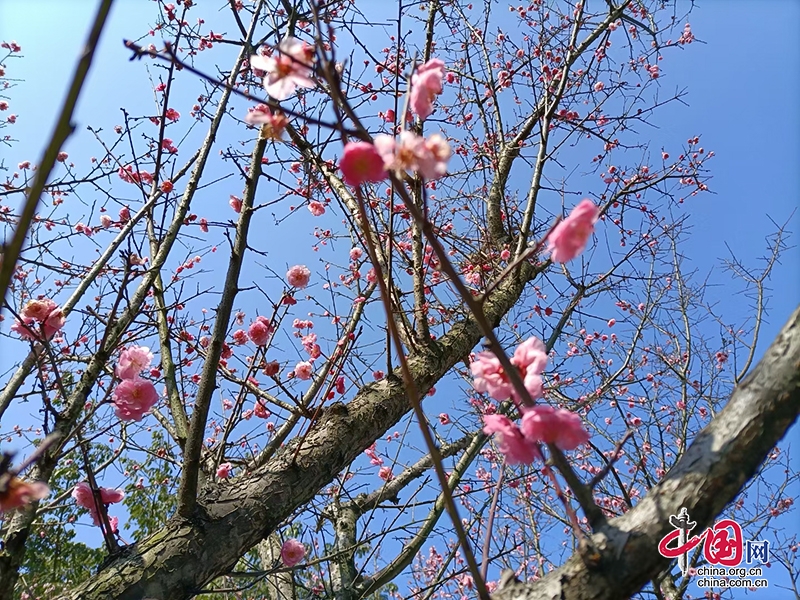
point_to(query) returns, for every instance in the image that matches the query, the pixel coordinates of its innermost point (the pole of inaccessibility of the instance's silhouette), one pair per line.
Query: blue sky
(742, 84)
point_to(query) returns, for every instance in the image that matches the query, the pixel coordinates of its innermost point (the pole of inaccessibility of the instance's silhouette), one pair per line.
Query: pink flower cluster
(298, 276)
(540, 424)
(273, 124)
(530, 358)
(37, 318)
(569, 237)
(289, 68)
(363, 162)
(426, 84)
(292, 552)
(82, 493)
(134, 396)
(260, 331)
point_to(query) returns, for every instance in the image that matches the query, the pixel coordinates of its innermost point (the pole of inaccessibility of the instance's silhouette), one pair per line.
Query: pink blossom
(426, 84)
(298, 276)
(236, 204)
(516, 448)
(273, 124)
(83, 496)
(105, 221)
(260, 410)
(415, 154)
(303, 370)
(292, 552)
(38, 315)
(317, 208)
(133, 398)
(385, 473)
(554, 426)
(356, 253)
(361, 162)
(18, 493)
(132, 361)
(598, 87)
(291, 66)
(224, 470)
(260, 331)
(530, 358)
(569, 237)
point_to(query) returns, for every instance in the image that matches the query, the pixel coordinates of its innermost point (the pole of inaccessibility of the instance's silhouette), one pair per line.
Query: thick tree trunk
(723, 457)
(177, 561)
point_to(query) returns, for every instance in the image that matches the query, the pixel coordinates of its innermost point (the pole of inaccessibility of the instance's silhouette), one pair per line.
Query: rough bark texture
(177, 561)
(724, 455)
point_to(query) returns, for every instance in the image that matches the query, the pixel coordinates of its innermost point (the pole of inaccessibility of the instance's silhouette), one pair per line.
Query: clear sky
(742, 80)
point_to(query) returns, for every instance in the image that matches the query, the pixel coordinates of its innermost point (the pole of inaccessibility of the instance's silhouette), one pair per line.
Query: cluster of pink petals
(82, 493)
(426, 84)
(260, 331)
(37, 317)
(361, 163)
(18, 493)
(415, 154)
(516, 448)
(292, 552)
(554, 426)
(133, 398)
(540, 424)
(273, 124)
(530, 358)
(290, 67)
(298, 276)
(132, 361)
(569, 237)
(303, 370)
(224, 470)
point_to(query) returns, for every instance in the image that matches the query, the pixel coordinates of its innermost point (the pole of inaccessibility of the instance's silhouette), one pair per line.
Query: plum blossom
(554, 426)
(316, 208)
(292, 552)
(516, 448)
(303, 370)
(362, 163)
(18, 493)
(260, 331)
(133, 398)
(290, 67)
(428, 157)
(224, 470)
(426, 84)
(385, 473)
(530, 358)
(569, 237)
(83, 496)
(132, 361)
(273, 124)
(37, 316)
(298, 276)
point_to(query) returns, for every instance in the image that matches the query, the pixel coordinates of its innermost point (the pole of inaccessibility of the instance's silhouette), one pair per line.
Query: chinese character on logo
(757, 551)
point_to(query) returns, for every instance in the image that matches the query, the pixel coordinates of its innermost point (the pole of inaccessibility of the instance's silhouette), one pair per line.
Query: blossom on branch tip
(303, 370)
(292, 552)
(362, 163)
(260, 331)
(426, 84)
(133, 398)
(298, 276)
(84, 497)
(569, 237)
(291, 66)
